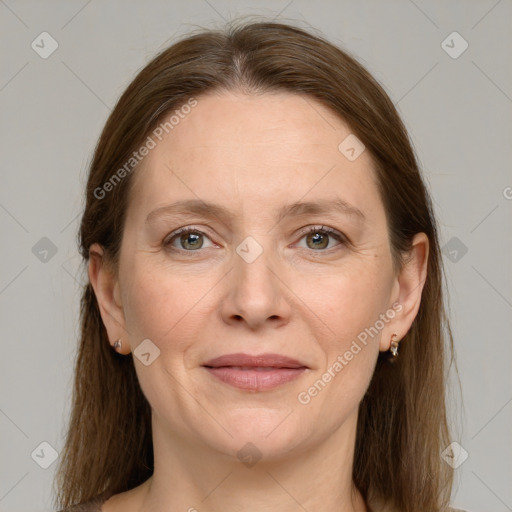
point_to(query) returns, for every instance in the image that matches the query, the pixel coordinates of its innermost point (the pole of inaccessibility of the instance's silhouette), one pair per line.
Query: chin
(261, 433)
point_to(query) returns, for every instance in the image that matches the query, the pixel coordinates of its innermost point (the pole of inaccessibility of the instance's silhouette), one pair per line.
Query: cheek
(346, 309)
(345, 302)
(158, 303)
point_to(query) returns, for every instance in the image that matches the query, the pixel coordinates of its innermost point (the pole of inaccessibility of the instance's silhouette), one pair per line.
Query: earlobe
(409, 284)
(106, 289)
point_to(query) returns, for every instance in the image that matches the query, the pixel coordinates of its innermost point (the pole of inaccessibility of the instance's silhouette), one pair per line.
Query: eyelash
(304, 232)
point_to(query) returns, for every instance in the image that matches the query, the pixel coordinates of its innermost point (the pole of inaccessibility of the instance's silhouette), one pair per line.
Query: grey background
(457, 111)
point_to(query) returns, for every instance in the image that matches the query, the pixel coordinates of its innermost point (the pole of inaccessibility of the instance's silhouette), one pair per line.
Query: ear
(407, 290)
(106, 288)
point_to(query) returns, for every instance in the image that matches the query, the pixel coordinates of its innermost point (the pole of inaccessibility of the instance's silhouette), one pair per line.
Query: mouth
(255, 373)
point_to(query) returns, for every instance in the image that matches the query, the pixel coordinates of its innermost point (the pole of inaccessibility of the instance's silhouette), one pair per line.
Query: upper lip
(257, 361)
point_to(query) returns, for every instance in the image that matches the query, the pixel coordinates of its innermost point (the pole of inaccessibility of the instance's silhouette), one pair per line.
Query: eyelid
(320, 227)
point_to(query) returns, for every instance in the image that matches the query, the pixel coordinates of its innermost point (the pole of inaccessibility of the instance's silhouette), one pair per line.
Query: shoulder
(93, 505)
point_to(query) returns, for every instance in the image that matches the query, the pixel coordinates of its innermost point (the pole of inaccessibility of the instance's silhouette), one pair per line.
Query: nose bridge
(254, 276)
(256, 292)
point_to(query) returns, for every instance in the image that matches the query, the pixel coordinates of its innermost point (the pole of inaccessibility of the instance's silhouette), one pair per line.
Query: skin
(253, 154)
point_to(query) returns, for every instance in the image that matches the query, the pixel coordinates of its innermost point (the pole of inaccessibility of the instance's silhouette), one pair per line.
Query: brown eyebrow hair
(294, 209)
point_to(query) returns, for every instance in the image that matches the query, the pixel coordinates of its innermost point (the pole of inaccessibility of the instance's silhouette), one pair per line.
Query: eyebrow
(196, 206)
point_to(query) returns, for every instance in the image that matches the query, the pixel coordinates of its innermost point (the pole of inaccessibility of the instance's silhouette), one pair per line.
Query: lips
(259, 361)
(255, 373)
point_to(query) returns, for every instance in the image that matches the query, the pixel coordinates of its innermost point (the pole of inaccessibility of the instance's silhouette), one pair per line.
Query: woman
(263, 327)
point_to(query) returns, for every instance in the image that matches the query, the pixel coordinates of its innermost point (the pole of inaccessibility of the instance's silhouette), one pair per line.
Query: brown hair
(402, 418)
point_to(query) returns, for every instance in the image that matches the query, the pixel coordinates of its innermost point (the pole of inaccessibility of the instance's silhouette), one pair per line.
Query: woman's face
(249, 279)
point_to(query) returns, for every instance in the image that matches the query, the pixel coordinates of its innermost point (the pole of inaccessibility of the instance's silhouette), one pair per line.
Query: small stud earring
(117, 345)
(394, 345)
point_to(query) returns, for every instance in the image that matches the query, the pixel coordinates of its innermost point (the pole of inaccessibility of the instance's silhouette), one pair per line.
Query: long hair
(402, 425)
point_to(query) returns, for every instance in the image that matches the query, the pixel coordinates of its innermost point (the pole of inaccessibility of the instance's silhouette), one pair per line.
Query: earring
(117, 345)
(394, 345)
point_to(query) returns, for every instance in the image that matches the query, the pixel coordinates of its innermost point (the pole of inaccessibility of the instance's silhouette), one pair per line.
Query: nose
(257, 293)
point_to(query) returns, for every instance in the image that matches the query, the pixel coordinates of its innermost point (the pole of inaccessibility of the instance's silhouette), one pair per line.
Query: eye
(318, 237)
(190, 239)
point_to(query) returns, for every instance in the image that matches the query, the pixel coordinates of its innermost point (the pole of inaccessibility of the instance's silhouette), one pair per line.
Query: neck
(198, 478)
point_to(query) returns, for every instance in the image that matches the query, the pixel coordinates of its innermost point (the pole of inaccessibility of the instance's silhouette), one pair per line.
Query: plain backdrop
(455, 101)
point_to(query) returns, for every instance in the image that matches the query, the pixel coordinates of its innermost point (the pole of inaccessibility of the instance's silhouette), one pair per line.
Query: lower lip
(256, 380)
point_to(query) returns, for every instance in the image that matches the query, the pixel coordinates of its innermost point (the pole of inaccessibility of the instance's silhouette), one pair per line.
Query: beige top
(95, 505)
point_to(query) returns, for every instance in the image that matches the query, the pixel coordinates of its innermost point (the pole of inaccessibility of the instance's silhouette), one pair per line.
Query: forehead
(265, 147)
(279, 119)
